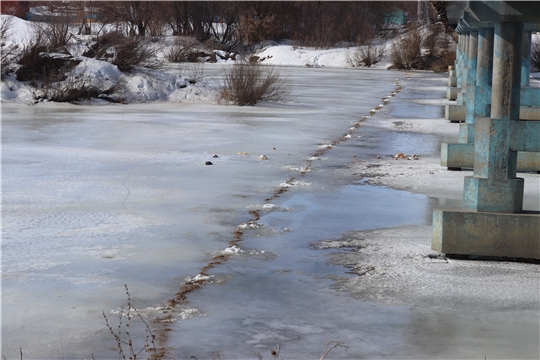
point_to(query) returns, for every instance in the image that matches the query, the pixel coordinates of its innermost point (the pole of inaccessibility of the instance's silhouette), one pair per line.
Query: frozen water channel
(95, 197)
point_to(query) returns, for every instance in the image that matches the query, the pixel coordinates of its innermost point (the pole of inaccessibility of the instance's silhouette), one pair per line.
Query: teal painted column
(470, 79)
(494, 186)
(461, 59)
(481, 99)
(484, 72)
(462, 75)
(458, 59)
(526, 59)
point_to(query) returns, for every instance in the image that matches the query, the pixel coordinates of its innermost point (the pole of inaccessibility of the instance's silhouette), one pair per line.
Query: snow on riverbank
(171, 83)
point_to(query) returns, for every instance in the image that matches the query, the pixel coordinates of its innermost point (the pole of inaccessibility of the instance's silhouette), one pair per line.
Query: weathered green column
(462, 74)
(454, 75)
(470, 80)
(484, 74)
(494, 186)
(526, 59)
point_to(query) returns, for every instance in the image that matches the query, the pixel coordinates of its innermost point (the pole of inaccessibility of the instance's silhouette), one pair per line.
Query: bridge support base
(464, 232)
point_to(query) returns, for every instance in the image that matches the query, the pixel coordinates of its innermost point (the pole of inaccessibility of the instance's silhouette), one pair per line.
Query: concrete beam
(529, 96)
(486, 234)
(499, 11)
(525, 136)
(458, 112)
(461, 156)
(469, 22)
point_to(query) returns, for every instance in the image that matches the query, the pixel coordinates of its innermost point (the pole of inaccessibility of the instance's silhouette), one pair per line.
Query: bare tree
(85, 13)
(256, 26)
(135, 15)
(54, 27)
(8, 51)
(176, 15)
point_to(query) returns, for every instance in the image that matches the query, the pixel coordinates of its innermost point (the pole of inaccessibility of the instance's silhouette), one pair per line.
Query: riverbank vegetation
(138, 37)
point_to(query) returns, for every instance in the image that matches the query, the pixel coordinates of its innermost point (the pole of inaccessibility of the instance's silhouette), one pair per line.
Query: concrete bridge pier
(492, 221)
(494, 186)
(477, 102)
(468, 27)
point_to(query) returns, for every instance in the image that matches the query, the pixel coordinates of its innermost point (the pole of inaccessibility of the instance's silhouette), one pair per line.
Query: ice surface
(95, 197)
(98, 197)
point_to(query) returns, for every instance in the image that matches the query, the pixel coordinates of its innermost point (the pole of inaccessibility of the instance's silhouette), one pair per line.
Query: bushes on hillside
(126, 52)
(429, 48)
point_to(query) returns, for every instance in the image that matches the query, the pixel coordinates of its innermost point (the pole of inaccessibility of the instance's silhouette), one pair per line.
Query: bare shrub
(431, 41)
(181, 50)
(406, 53)
(70, 90)
(194, 72)
(447, 58)
(366, 55)
(248, 84)
(122, 333)
(331, 346)
(535, 57)
(126, 52)
(37, 65)
(177, 54)
(104, 45)
(56, 32)
(135, 51)
(439, 49)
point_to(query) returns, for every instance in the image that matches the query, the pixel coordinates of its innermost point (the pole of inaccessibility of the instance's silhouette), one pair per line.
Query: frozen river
(95, 197)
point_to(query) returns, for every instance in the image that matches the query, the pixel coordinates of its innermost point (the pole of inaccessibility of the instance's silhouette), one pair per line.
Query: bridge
(499, 134)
